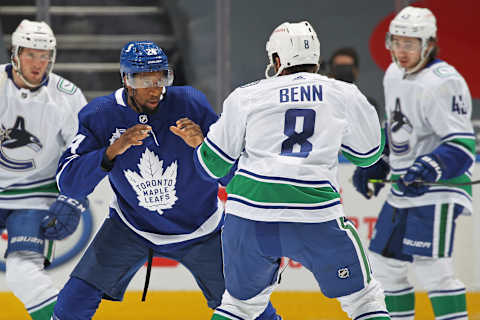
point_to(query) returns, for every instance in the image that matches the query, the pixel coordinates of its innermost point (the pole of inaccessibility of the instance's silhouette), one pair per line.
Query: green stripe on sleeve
(466, 143)
(365, 162)
(215, 164)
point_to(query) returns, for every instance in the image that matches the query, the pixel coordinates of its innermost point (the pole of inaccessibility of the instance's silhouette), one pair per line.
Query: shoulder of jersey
(393, 70)
(63, 85)
(442, 70)
(103, 104)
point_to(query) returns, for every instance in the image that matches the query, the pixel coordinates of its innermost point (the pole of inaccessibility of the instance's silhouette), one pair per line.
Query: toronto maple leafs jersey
(424, 110)
(287, 132)
(157, 191)
(35, 128)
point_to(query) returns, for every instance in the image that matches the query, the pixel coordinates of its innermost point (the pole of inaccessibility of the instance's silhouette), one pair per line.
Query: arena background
(216, 45)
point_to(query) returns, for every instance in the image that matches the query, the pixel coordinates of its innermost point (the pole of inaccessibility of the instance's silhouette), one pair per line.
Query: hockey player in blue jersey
(286, 132)
(161, 206)
(430, 140)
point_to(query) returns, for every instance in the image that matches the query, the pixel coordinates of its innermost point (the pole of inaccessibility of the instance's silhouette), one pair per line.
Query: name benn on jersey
(301, 93)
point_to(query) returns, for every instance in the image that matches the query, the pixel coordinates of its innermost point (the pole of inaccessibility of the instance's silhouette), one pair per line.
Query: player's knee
(21, 269)
(78, 300)
(369, 300)
(391, 273)
(436, 274)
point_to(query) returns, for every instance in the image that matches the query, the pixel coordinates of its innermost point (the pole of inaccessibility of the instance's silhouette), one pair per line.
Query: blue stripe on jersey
(283, 179)
(468, 134)
(30, 183)
(210, 142)
(256, 205)
(431, 190)
(375, 149)
(43, 302)
(53, 196)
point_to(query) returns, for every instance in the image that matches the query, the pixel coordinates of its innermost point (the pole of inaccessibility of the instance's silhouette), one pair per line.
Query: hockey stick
(447, 184)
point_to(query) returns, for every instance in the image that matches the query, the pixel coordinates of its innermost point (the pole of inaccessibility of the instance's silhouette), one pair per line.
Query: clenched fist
(189, 131)
(133, 136)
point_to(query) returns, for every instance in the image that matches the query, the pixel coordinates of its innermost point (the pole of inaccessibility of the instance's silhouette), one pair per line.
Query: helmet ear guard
(295, 44)
(33, 35)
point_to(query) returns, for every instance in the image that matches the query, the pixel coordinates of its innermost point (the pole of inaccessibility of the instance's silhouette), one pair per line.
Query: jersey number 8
(299, 126)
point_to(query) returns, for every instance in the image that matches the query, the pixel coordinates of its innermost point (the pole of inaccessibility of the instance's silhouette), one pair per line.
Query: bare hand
(189, 131)
(133, 136)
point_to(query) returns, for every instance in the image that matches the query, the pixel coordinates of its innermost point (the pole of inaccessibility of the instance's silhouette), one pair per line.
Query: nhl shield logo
(143, 118)
(343, 273)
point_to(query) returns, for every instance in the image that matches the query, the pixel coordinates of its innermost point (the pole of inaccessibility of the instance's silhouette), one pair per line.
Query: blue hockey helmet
(144, 56)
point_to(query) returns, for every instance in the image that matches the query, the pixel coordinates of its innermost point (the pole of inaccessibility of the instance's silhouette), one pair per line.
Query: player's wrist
(107, 161)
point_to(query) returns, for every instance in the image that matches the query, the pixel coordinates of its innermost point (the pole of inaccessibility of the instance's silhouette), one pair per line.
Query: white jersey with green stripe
(35, 128)
(424, 110)
(287, 132)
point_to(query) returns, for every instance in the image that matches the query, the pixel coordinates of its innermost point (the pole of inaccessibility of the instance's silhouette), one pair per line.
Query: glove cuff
(72, 202)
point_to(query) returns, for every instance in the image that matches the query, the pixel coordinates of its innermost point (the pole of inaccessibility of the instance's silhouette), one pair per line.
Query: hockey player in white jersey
(38, 119)
(430, 139)
(284, 199)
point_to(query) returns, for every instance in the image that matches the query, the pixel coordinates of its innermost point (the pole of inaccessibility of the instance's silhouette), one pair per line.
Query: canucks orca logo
(400, 130)
(17, 137)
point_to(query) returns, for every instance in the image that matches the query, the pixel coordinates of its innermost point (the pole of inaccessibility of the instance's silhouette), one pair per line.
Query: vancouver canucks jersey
(157, 191)
(425, 110)
(287, 132)
(35, 128)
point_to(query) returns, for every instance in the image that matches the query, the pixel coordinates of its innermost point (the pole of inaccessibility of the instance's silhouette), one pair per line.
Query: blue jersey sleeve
(79, 169)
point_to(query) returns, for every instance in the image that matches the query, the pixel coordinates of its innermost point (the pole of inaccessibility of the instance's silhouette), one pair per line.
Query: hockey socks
(449, 304)
(401, 303)
(44, 312)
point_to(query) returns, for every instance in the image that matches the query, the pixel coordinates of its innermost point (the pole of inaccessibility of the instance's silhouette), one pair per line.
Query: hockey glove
(361, 176)
(425, 168)
(63, 218)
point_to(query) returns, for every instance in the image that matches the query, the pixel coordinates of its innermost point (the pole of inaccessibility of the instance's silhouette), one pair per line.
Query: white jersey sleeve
(448, 109)
(228, 133)
(362, 141)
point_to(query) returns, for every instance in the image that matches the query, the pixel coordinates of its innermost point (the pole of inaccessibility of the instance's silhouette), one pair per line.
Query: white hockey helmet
(34, 35)
(295, 44)
(417, 23)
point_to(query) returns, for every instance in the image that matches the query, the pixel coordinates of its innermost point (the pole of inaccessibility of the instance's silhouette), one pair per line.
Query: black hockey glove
(361, 176)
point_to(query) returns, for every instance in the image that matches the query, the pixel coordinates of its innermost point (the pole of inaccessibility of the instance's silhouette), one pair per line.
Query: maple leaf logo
(118, 132)
(155, 187)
